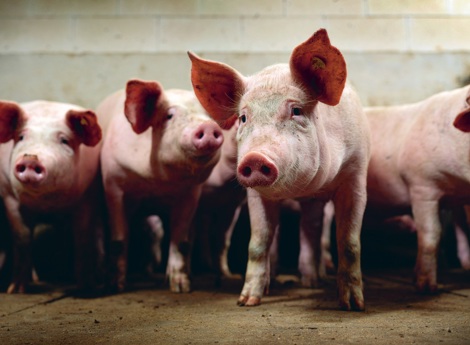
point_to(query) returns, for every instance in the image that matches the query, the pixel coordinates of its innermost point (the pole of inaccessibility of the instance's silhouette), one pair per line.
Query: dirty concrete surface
(148, 313)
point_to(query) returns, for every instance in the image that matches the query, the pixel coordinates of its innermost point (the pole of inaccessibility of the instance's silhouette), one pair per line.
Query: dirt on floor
(149, 314)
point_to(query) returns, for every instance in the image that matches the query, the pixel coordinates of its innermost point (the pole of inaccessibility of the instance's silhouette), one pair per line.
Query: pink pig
(160, 148)
(49, 170)
(420, 161)
(302, 135)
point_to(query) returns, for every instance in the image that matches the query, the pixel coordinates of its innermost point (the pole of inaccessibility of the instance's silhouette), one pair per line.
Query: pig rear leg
(224, 230)
(349, 205)
(156, 233)
(326, 257)
(461, 236)
(426, 215)
(117, 268)
(264, 219)
(178, 268)
(310, 263)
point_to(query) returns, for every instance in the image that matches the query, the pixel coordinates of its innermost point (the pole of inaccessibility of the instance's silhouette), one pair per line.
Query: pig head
(302, 135)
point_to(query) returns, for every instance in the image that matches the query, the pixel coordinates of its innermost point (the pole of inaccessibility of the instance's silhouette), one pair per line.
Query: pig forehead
(187, 101)
(273, 84)
(47, 111)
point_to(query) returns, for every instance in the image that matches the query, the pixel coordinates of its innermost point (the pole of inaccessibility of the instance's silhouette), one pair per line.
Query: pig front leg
(22, 256)
(349, 203)
(118, 222)
(264, 219)
(425, 210)
(311, 223)
(178, 268)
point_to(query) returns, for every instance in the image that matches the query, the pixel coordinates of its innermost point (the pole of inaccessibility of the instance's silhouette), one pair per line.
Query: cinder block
(199, 34)
(440, 34)
(415, 7)
(159, 7)
(277, 35)
(319, 8)
(73, 7)
(35, 35)
(241, 7)
(368, 34)
(461, 7)
(14, 8)
(130, 34)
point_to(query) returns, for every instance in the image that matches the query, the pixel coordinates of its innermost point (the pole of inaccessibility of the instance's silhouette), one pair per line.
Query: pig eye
(296, 111)
(64, 141)
(20, 137)
(169, 116)
(242, 118)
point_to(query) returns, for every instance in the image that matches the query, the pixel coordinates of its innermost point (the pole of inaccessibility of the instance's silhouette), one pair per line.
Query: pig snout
(30, 170)
(207, 137)
(256, 170)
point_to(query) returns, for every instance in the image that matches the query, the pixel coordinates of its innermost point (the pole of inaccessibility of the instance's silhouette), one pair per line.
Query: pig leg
(426, 215)
(118, 222)
(178, 268)
(274, 254)
(349, 204)
(224, 233)
(156, 232)
(461, 231)
(311, 222)
(264, 219)
(326, 258)
(22, 237)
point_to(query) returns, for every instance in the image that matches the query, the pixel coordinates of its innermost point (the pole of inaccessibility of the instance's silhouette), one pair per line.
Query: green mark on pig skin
(317, 63)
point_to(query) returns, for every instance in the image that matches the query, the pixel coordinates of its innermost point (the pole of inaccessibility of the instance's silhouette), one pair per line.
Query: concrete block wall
(79, 51)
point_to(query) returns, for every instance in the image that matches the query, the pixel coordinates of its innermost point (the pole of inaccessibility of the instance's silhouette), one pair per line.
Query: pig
(160, 148)
(49, 165)
(219, 208)
(302, 135)
(419, 164)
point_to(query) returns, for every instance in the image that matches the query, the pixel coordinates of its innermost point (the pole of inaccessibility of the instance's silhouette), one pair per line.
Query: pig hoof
(426, 288)
(247, 301)
(351, 299)
(16, 288)
(181, 285)
(309, 282)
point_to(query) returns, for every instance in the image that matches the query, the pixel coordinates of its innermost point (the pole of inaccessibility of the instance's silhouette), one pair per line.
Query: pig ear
(218, 88)
(143, 98)
(320, 68)
(462, 121)
(11, 117)
(84, 125)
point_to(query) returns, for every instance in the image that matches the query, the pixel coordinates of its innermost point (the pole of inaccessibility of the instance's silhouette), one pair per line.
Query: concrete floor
(149, 314)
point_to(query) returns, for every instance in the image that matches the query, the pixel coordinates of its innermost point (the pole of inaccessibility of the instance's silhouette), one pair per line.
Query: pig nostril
(216, 134)
(265, 170)
(246, 171)
(21, 168)
(38, 170)
(200, 135)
